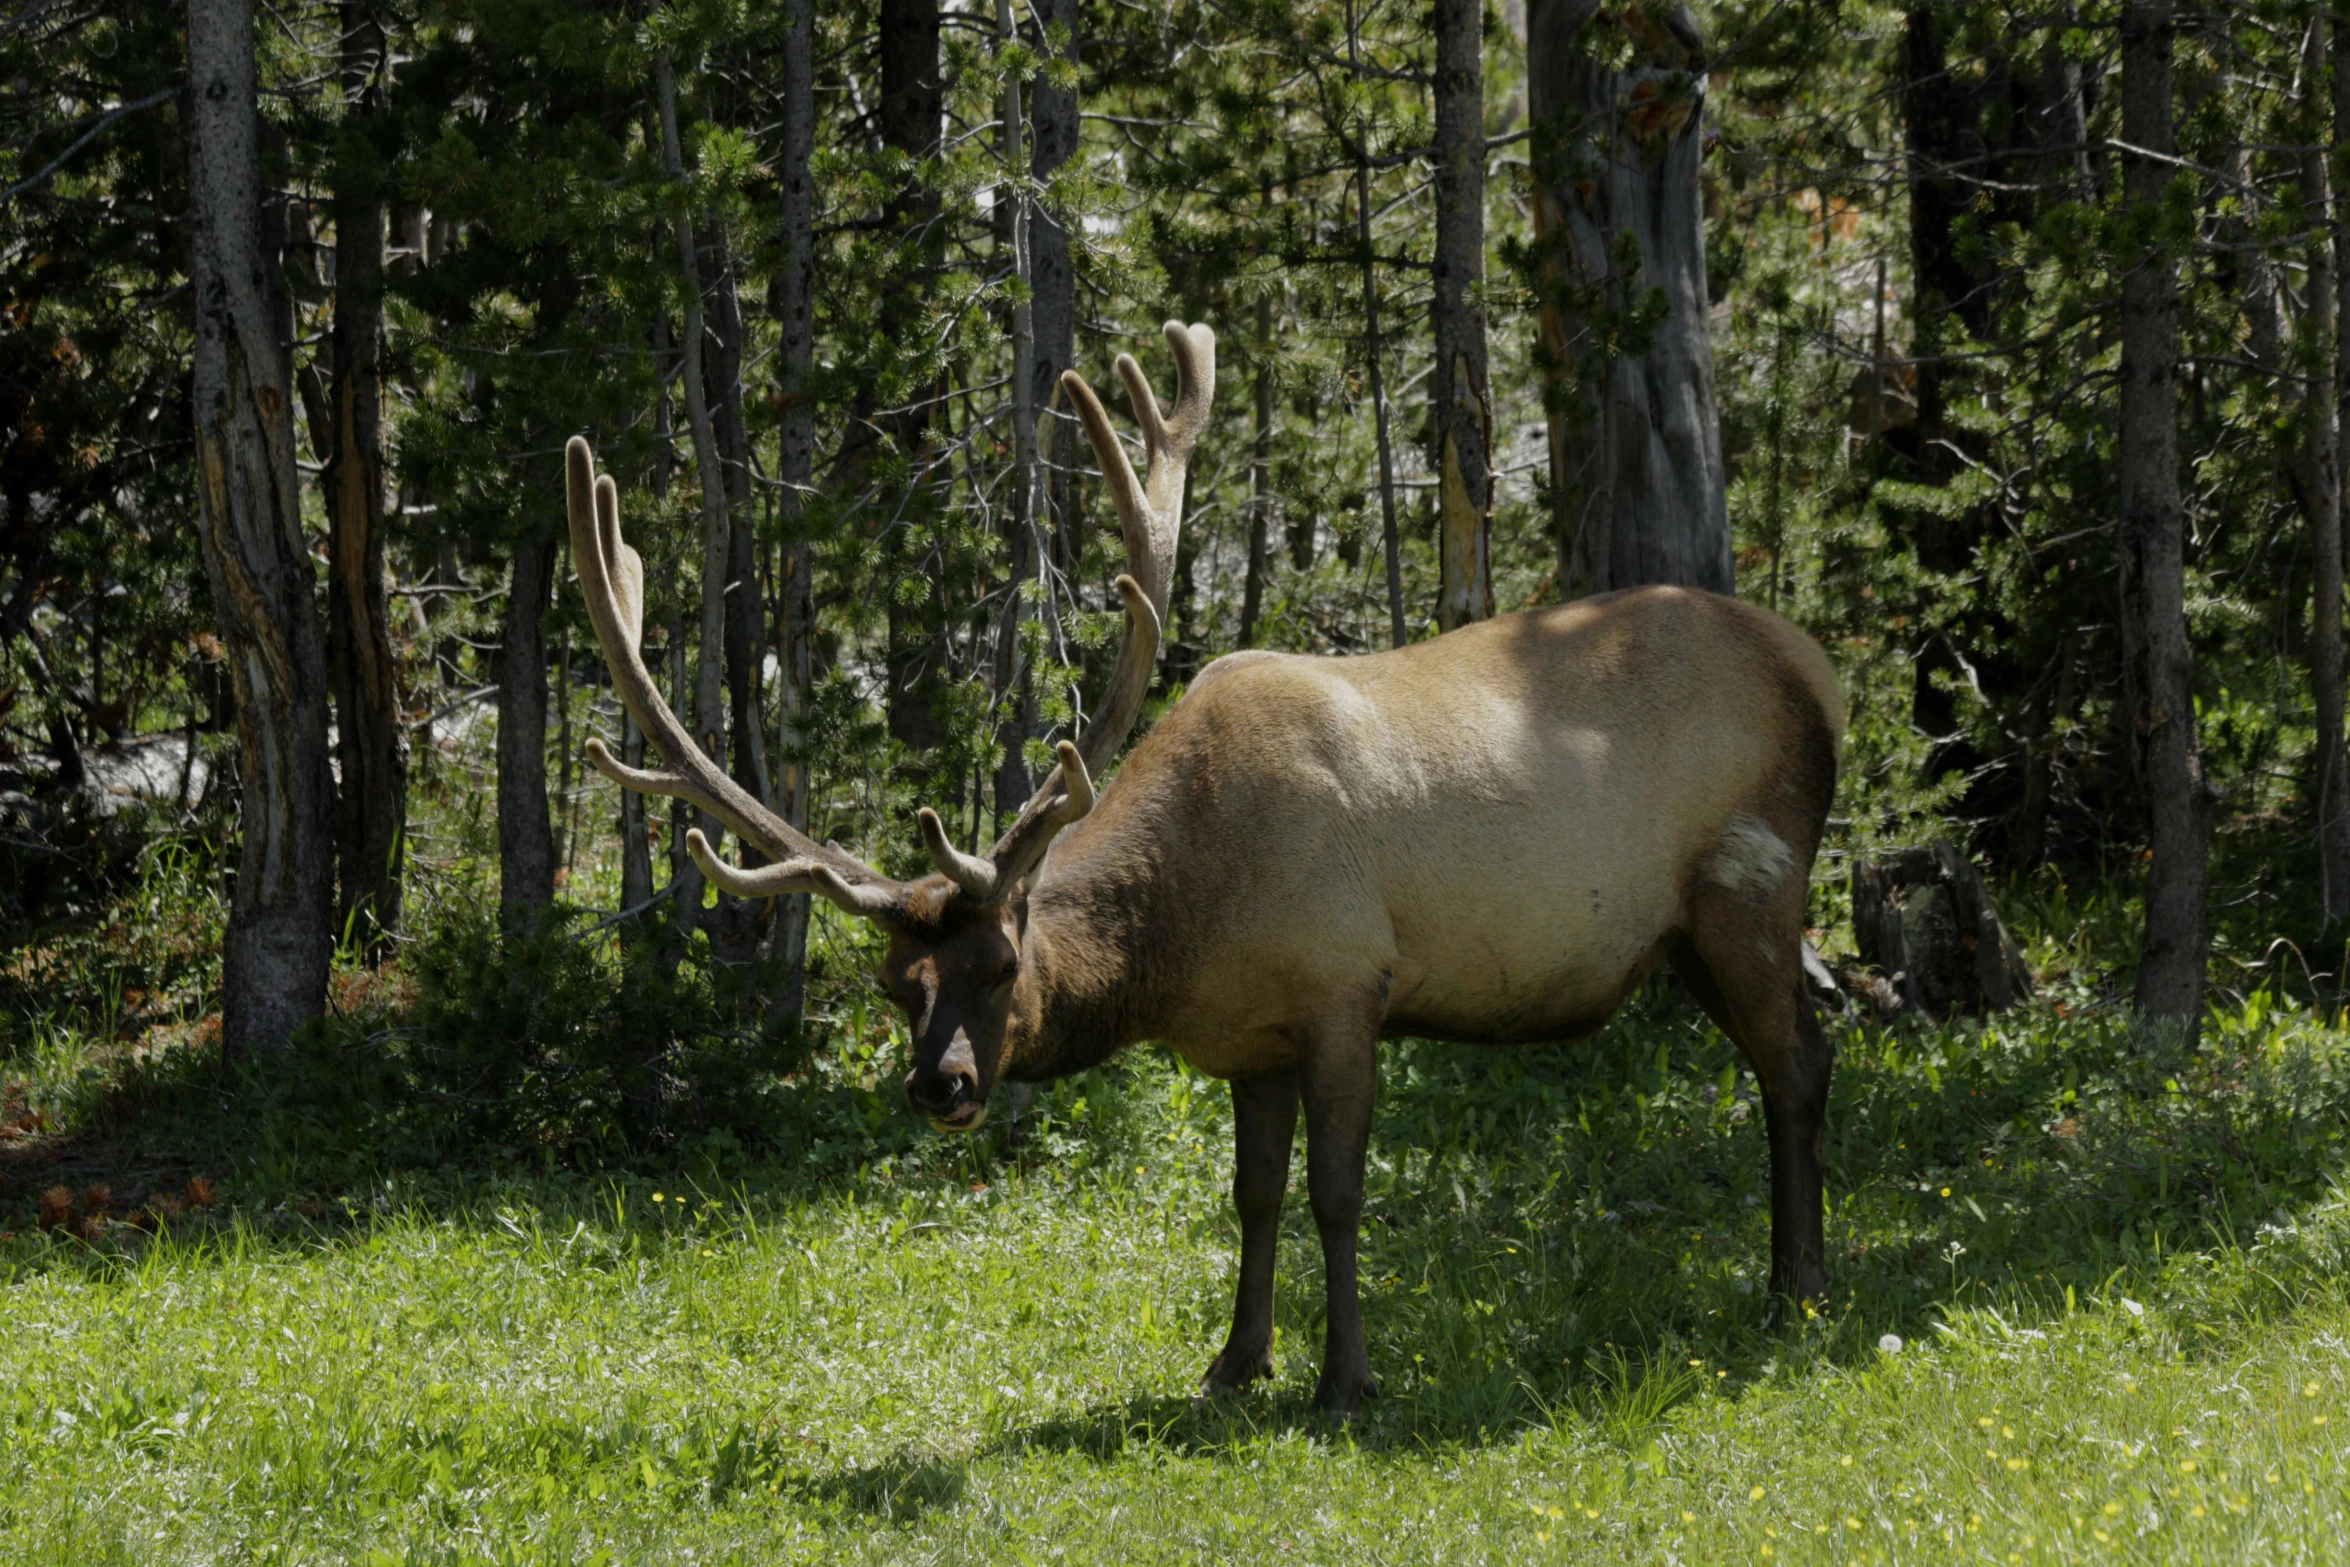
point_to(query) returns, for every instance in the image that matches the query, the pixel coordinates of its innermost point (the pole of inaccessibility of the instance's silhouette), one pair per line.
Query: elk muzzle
(947, 1093)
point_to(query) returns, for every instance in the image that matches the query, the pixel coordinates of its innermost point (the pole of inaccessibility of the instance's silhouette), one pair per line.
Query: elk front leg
(1339, 1084)
(1264, 1116)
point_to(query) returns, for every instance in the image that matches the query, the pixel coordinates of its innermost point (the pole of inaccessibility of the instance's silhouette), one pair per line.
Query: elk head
(955, 937)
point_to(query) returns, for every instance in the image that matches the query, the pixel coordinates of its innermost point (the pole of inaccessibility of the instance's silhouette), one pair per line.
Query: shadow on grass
(1555, 1234)
(1580, 1233)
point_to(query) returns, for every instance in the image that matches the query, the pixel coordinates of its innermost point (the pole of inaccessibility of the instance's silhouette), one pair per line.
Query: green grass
(2118, 1276)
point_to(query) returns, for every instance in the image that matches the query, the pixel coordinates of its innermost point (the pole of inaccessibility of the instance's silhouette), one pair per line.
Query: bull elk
(1493, 836)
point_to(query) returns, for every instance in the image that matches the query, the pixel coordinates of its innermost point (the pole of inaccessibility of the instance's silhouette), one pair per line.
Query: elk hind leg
(1264, 1115)
(1743, 960)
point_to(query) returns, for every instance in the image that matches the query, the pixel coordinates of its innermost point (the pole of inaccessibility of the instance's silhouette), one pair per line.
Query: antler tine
(1064, 797)
(1195, 383)
(1147, 412)
(1152, 516)
(1117, 471)
(611, 578)
(872, 899)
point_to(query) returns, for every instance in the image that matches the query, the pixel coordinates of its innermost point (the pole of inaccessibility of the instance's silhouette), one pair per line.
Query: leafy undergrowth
(2113, 1269)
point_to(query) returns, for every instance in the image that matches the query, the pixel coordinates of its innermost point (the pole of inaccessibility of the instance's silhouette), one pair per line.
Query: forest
(1998, 345)
(810, 282)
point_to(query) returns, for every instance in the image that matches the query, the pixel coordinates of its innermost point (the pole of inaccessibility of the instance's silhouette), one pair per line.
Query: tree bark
(796, 469)
(710, 663)
(1635, 440)
(1260, 511)
(2329, 447)
(685, 877)
(2158, 664)
(1391, 540)
(372, 805)
(526, 838)
(279, 939)
(636, 842)
(1014, 691)
(746, 599)
(1052, 281)
(1460, 405)
(912, 122)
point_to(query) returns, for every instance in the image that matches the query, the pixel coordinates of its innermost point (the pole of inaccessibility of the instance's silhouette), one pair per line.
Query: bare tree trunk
(1052, 280)
(563, 811)
(685, 877)
(2329, 447)
(636, 842)
(372, 808)
(2027, 840)
(1014, 691)
(912, 116)
(710, 665)
(1391, 540)
(1635, 441)
(746, 599)
(1260, 511)
(1460, 407)
(740, 931)
(526, 838)
(796, 470)
(2158, 664)
(279, 939)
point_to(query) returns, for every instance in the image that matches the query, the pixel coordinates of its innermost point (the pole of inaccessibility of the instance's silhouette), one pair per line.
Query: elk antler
(612, 578)
(1152, 516)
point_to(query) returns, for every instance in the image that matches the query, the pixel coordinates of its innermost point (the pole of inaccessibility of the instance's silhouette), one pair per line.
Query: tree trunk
(1014, 690)
(746, 599)
(710, 663)
(2158, 664)
(1260, 511)
(740, 930)
(796, 469)
(1460, 406)
(912, 121)
(2329, 447)
(563, 813)
(1635, 442)
(280, 936)
(526, 838)
(1391, 540)
(636, 841)
(685, 877)
(372, 807)
(1052, 281)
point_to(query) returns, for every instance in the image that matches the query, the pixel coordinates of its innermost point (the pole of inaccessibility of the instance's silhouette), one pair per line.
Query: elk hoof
(1340, 1399)
(1234, 1370)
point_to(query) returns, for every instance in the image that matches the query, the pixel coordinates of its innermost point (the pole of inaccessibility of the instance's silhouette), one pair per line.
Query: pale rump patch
(1752, 858)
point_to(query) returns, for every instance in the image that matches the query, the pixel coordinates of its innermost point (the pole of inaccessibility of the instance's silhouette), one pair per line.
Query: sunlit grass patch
(947, 1353)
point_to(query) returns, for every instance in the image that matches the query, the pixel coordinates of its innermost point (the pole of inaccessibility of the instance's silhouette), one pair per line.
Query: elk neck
(1104, 936)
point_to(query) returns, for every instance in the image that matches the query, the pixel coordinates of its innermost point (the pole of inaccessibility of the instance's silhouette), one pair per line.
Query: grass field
(2116, 1278)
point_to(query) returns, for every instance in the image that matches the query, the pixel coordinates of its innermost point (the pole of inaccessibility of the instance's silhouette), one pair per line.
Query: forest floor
(2090, 1303)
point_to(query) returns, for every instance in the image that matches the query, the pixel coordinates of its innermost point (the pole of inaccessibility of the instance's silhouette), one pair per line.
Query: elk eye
(1010, 973)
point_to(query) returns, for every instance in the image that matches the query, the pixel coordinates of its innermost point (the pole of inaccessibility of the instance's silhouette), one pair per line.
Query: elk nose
(940, 1093)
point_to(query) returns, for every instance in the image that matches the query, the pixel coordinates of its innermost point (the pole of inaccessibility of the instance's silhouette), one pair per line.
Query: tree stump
(1923, 918)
